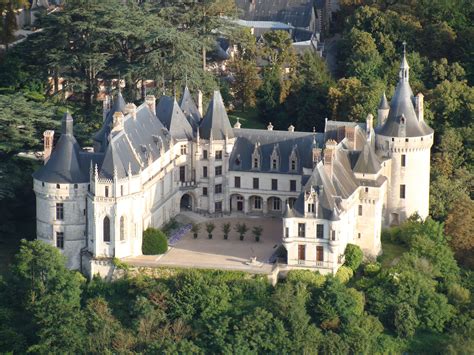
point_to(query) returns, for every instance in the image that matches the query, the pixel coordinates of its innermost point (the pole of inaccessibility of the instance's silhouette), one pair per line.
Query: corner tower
(404, 140)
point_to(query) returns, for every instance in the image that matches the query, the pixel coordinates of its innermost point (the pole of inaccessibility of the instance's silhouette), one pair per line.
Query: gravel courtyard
(217, 253)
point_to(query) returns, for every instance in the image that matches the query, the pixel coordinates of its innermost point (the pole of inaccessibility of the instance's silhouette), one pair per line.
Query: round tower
(404, 140)
(61, 187)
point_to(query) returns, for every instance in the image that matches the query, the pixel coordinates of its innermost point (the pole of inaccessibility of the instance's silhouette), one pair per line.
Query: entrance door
(240, 203)
(319, 253)
(301, 252)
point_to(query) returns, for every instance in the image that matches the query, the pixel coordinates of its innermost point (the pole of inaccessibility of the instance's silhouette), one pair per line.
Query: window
(402, 191)
(301, 252)
(218, 206)
(257, 203)
(106, 229)
(75, 186)
(218, 189)
(237, 181)
(360, 210)
(204, 191)
(183, 149)
(301, 230)
(320, 231)
(218, 154)
(218, 170)
(274, 164)
(204, 171)
(255, 163)
(255, 183)
(358, 235)
(404, 160)
(106, 191)
(60, 240)
(293, 164)
(366, 189)
(406, 140)
(287, 232)
(333, 235)
(319, 253)
(122, 228)
(59, 211)
(121, 190)
(292, 185)
(274, 184)
(276, 204)
(310, 207)
(89, 187)
(204, 154)
(58, 186)
(182, 173)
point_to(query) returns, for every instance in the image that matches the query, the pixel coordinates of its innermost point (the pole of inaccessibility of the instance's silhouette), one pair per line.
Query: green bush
(306, 277)
(344, 274)
(372, 269)
(154, 242)
(354, 256)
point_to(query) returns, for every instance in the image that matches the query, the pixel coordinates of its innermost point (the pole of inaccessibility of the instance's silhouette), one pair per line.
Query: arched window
(106, 229)
(122, 228)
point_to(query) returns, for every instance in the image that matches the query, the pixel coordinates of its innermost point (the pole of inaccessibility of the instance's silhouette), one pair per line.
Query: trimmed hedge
(354, 256)
(154, 242)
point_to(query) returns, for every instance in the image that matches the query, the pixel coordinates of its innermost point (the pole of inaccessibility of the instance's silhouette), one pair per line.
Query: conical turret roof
(190, 109)
(383, 104)
(172, 117)
(216, 122)
(102, 135)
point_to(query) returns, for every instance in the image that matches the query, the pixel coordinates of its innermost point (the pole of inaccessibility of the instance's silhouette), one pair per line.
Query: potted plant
(241, 228)
(257, 232)
(195, 229)
(226, 230)
(209, 228)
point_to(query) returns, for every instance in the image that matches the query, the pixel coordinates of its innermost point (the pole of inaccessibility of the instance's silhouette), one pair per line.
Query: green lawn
(391, 252)
(248, 118)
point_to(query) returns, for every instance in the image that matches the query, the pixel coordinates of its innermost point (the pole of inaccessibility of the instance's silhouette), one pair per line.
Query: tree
(8, 21)
(257, 232)
(242, 229)
(245, 81)
(154, 242)
(406, 321)
(209, 228)
(353, 256)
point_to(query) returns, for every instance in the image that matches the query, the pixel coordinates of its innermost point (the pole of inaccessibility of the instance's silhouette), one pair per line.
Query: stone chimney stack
(270, 126)
(369, 124)
(48, 140)
(420, 107)
(237, 124)
(118, 121)
(131, 109)
(291, 128)
(151, 103)
(199, 103)
(329, 155)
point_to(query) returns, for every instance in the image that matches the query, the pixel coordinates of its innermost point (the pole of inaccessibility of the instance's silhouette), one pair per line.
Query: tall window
(218, 189)
(310, 207)
(204, 191)
(292, 185)
(301, 252)
(287, 232)
(274, 164)
(255, 163)
(60, 240)
(204, 154)
(360, 210)
(237, 181)
(404, 160)
(106, 229)
(255, 183)
(122, 228)
(276, 204)
(218, 154)
(182, 173)
(183, 149)
(319, 253)
(320, 231)
(218, 170)
(59, 211)
(402, 191)
(106, 191)
(204, 171)
(301, 230)
(257, 203)
(293, 165)
(274, 184)
(218, 206)
(121, 190)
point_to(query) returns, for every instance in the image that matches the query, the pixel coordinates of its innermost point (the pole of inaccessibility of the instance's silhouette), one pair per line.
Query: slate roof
(64, 165)
(383, 104)
(139, 143)
(216, 122)
(173, 118)
(367, 161)
(190, 109)
(295, 12)
(102, 135)
(284, 141)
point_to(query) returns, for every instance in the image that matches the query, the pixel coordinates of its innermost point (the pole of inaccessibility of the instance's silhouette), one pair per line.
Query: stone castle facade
(153, 161)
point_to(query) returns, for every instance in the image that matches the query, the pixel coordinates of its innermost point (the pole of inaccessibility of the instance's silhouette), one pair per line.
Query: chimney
(237, 124)
(199, 103)
(131, 109)
(118, 121)
(48, 139)
(291, 128)
(419, 107)
(151, 103)
(270, 126)
(329, 155)
(369, 124)
(105, 107)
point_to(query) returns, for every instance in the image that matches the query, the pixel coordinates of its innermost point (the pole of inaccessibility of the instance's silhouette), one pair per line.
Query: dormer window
(293, 165)
(275, 159)
(255, 163)
(274, 164)
(294, 159)
(256, 157)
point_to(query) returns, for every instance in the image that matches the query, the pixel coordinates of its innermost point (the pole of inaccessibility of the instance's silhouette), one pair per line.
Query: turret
(382, 110)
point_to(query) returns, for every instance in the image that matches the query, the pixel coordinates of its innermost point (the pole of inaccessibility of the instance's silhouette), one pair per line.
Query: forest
(418, 300)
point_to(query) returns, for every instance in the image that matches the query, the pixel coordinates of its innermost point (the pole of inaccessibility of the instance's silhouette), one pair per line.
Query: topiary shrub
(313, 278)
(354, 256)
(344, 274)
(154, 242)
(372, 269)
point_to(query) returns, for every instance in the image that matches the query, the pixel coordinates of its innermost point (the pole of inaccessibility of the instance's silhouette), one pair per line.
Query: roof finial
(404, 67)
(404, 47)
(186, 79)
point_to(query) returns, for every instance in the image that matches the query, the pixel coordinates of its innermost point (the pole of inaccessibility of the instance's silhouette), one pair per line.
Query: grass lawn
(391, 252)
(248, 118)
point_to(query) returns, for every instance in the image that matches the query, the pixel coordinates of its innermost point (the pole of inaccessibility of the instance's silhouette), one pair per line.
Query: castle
(149, 162)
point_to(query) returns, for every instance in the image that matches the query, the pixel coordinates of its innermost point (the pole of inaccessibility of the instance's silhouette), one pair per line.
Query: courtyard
(218, 253)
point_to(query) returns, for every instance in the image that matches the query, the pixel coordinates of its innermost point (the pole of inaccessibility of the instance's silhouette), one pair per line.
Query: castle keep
(150, 162)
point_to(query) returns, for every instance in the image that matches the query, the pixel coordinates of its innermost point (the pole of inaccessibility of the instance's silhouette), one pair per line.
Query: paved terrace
(217, 253)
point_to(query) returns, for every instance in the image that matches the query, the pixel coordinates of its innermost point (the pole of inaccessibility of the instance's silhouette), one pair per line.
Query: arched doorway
(255, 204)
(186, 203)
(274, 204)
(236, 203)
